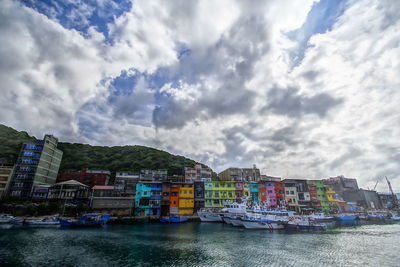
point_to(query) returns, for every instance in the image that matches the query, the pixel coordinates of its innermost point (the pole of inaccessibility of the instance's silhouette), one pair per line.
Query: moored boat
(321, 217)
(87, 220)
(5, 218)
(207, 215)
(173, 219)
(43, 222)
(346, 218)
(300, 223)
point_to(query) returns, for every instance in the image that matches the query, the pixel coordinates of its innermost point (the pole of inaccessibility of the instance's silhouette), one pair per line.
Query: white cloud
(340, 112)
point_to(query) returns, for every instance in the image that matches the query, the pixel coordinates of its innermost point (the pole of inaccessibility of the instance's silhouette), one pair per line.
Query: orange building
(174, 199)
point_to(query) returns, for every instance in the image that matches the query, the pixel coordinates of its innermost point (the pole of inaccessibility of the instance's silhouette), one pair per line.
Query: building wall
(37, 164)
(198, 173)
(88, 177)
(6, 172)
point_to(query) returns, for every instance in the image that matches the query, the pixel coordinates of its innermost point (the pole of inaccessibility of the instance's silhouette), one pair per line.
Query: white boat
(4, 218)
(233, 210)
(303, 223)
(209, 215)
(236, 221)
(321, 217)
(226, 219)
(267, 219)
(43, 222)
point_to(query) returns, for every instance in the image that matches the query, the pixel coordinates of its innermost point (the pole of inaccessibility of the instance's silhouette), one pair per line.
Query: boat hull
(208, 217)
(300, 227)
(262, 225)
(227, 220)
(237, 222)
(173, 219)
(346, 218)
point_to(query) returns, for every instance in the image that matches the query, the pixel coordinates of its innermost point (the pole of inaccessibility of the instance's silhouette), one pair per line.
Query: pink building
(197, 174)
(270, 193)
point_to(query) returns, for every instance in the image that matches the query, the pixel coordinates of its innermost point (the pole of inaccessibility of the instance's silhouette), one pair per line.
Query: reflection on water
(199, 244)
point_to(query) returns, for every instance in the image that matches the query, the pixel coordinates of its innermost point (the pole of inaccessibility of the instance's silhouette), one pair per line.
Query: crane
(376, 184)
(395, 203)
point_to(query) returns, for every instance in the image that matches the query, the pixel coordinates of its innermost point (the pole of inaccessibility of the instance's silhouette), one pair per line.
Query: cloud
(289, 102)
(300, 88)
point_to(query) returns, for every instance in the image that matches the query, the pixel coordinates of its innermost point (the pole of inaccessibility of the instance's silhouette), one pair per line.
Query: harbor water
(199, 244)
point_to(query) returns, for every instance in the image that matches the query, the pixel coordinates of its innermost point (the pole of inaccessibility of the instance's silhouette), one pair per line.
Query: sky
(303, 89)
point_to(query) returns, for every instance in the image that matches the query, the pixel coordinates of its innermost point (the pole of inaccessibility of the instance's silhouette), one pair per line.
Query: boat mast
(395, 203)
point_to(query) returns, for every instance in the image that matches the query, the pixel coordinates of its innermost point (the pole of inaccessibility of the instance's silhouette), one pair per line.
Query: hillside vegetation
(77, 156)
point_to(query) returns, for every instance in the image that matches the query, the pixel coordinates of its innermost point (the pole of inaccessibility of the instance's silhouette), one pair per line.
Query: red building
(280, 192)
(86, 176)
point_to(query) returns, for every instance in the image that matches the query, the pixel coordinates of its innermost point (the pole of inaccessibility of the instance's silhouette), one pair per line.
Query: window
(229, 194)
(216, 194)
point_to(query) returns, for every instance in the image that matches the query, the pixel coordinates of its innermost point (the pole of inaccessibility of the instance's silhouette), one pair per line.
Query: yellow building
(186, 199)
(331, 197)
(219, 192)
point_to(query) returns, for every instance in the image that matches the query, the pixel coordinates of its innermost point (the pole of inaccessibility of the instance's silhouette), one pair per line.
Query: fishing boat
(346, 218)
(87, 220)
(301, 223)
(43, 222)
(321, 217)
(5, 218)
(232, 211)
(266, 219)
(210, 215)
(173, 219)
(377, 216)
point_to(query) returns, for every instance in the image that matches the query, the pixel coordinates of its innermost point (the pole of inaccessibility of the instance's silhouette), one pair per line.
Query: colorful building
(186, 199)
(279, 193)
(197, 173)
(254, 193)
(217, 193)
(148, 198)
(174, 199)
(271, 194)
(262, 193)
(199, 197)
(166, 199)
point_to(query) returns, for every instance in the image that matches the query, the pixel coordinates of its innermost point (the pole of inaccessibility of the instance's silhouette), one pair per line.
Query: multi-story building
(148, 198)
(198, 173)
(174, 199)
(333, 201)
(126, 182)
(291, 196)
(340, 184)
(86, 176)
(262, 193)
(6, 171)
(199, 198)
(218, 193)
(271, 194)
(240, 174)
(318, 199)
(165, 200)
(186, 199)
(153, 175)
(71, 190)
(280, 194)
(254, 193)
(37, 164)
(367, 199)
(108, 199)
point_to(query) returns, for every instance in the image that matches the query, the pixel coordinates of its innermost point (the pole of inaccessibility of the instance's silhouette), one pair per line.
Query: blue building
(148, 198)
(254, 193)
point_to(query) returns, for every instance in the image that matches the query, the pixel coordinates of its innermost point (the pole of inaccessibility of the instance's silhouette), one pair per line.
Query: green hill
(77, 156)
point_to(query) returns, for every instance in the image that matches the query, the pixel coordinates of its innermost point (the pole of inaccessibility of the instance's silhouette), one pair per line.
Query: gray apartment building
(37, 164)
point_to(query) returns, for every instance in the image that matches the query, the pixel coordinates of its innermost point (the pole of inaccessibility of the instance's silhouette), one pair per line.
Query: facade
(153, 175)
(108, 199)
(126, 182)
(334, 203)
(71, 190)
(199, 197)
(291, 196)
(254, 193)
(186, 199)
(6, 171)
(40, 193)
(165, 199)
(85, 176)
(218, 193)
(262, 194)
(367, 199)
(271, 194)
(142, 199)
(240, 174)
(279, 193)
(37, 164)
(197, 174)
(340, 184)
(174, 199)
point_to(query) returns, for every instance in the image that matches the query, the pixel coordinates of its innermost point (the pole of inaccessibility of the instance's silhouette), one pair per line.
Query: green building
(217, 193)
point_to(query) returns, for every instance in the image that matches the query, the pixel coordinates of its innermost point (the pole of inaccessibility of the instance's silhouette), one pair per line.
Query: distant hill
(77, 156)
